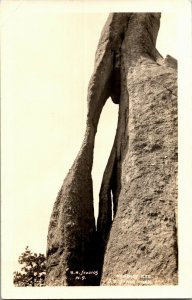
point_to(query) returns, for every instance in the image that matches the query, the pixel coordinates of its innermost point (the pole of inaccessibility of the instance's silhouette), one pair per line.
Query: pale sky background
(47, 61)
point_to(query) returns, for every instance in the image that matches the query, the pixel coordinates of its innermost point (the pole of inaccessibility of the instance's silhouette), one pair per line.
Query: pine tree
(33, 269)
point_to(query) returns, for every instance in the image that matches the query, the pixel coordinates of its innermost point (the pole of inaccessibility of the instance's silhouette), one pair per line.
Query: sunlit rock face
(135, 242)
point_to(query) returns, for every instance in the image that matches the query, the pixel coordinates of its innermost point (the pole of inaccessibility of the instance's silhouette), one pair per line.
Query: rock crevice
(140, 180)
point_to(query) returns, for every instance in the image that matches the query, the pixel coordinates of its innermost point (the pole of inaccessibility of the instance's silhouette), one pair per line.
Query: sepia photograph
(96, 163)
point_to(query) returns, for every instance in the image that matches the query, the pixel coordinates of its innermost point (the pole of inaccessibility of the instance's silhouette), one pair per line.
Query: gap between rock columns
(72, 241)
(140, 174)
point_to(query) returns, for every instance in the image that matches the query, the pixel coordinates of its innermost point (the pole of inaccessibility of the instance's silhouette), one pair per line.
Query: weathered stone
(71, 242)
(139, 237)
(143, 239)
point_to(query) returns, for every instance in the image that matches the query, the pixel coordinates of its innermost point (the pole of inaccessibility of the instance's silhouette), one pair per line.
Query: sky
(47, 61)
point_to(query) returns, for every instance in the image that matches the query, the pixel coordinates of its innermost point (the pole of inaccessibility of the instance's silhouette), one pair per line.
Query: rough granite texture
(136, 243)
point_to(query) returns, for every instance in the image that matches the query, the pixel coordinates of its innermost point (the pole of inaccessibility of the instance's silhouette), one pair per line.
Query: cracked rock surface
(138, 240)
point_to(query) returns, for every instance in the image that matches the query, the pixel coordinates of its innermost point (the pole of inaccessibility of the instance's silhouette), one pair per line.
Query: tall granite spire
(136, 243)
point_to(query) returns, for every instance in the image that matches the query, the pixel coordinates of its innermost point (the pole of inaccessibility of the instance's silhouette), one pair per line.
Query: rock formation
(136, 243)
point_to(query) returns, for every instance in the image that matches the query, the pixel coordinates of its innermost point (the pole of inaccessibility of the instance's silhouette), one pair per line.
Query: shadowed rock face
(140, 180)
